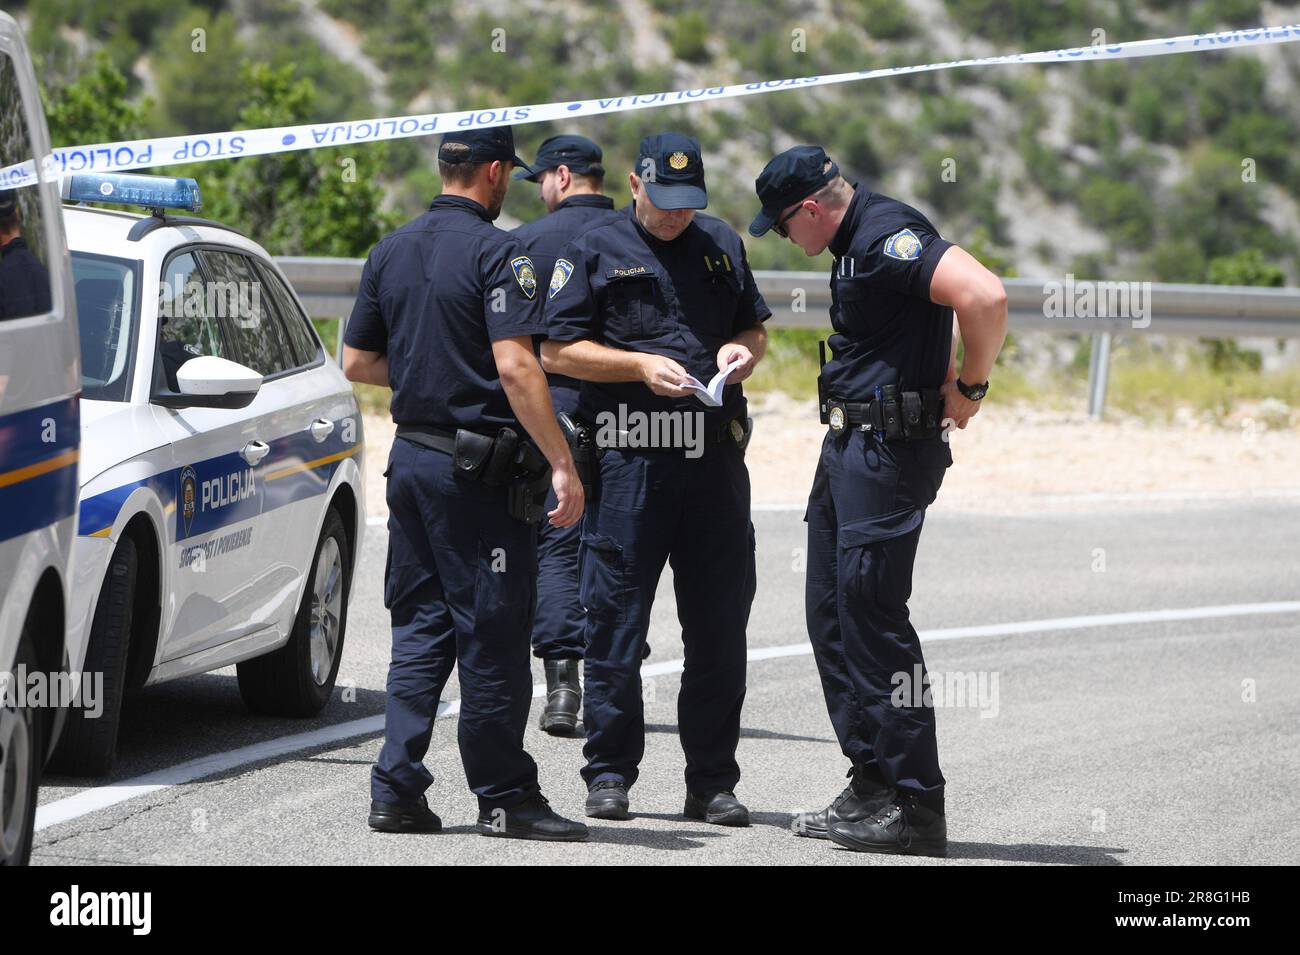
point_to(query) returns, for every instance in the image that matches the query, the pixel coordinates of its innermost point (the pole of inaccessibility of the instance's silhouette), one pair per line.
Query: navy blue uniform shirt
(434, 296)
(544, 239)
(24, 281)
(620, 286)
(887, 329)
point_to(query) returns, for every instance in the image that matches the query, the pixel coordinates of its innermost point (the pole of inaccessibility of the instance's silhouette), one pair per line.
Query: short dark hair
(594, 176)
(457, 173)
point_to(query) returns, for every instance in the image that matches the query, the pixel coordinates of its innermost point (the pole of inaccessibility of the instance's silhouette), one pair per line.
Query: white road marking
(102, 797)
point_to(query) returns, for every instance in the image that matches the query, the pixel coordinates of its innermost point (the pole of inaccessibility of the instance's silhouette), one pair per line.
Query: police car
(221, 502)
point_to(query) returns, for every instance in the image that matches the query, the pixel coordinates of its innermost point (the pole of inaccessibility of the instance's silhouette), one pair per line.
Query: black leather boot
(531, 819)
(862, 798)
(394, 817)
(563, 697)
(904, 827)
(719, 809)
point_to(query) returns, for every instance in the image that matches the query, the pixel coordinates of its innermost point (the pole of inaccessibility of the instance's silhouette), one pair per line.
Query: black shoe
(607, 799)
(904, 827)
(720, 809)
(563, 697)
(531, 819)
(394, 817)
(861, 799)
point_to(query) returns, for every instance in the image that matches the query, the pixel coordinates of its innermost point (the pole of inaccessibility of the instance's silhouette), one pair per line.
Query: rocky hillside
(1180, 168)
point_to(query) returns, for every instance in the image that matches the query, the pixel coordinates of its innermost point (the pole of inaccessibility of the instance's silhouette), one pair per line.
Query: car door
(319, 427)
(298, 415)
(218, 582)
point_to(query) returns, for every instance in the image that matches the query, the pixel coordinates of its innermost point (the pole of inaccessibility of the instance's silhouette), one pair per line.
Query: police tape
(204, 147)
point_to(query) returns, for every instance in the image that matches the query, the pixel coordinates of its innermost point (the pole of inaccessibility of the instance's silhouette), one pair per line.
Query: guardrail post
(1098, 374)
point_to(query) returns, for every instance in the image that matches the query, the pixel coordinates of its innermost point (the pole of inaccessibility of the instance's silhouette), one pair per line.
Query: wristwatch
(972, 392)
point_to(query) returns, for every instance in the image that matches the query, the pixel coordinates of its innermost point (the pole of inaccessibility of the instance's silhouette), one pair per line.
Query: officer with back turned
(570, 176)
(888, 394)
(447, 316)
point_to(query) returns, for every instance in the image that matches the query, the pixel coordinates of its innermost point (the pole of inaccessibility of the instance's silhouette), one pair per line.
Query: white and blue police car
(221, 492)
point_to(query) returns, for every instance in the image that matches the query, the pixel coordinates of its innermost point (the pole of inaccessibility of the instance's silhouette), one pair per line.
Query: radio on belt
(154, 192)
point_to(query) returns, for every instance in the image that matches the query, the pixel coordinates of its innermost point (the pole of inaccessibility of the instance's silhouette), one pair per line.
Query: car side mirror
(207, 381)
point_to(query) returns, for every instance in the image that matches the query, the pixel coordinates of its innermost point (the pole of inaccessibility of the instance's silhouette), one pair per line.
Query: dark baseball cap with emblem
(485, 145)
(8, 202)
(790, 177)
(670, 166)
(577, 152)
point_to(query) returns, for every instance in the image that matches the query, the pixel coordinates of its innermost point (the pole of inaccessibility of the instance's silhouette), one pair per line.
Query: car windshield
(107, 291)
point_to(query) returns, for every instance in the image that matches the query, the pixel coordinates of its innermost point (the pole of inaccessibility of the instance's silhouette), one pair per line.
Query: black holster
(581, 439)
(529, 484)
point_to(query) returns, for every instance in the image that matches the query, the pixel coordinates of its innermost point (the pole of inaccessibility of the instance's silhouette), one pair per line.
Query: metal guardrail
(328, 287)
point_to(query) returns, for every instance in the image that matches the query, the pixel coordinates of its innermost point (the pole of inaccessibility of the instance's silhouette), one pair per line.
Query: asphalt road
(1165, 739)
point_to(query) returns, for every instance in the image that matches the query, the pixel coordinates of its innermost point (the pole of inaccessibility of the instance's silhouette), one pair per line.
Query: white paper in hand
(711, 394)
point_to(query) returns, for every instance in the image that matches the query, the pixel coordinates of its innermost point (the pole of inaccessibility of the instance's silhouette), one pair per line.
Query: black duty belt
(895, 415)
(439, 439)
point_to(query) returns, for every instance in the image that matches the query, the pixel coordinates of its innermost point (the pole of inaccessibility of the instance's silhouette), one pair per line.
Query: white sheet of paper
(711, 394)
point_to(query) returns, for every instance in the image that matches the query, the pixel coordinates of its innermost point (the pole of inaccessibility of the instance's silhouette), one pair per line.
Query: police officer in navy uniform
(570, 175)
(636, 307)
(890, 394)
(24, 279)
(447, 316)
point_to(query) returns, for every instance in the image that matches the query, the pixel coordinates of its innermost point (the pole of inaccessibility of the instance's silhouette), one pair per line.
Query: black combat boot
(719, 809)
(904, 827)
(563, 697)
(531, 819)
(864, 796)
(412, 817)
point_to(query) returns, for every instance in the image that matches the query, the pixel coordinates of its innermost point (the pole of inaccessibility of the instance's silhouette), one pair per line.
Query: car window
(24, 269)
(187, 327)
(107, 293)
(293, 323)
(238, 293)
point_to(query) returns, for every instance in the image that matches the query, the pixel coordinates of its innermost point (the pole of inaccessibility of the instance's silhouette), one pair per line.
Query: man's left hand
(956, 405)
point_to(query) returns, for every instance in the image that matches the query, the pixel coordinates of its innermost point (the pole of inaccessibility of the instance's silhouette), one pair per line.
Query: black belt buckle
(837, 415)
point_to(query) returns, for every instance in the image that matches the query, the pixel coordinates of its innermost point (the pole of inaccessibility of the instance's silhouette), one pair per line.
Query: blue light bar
(154, 192)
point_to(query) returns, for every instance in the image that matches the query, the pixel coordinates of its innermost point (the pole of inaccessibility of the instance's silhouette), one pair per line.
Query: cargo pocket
(876, 556)
(601, 577)
(504, 600)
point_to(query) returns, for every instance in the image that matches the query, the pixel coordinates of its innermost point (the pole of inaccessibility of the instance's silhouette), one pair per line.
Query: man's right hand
(663, 376)
(568, 496)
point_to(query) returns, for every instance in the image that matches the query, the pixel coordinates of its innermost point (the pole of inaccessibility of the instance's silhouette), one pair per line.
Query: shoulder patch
(559, 275)
(903, 245)
(525, 275)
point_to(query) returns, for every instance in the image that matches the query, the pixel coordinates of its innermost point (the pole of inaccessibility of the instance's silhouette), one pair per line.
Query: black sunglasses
(779, 226)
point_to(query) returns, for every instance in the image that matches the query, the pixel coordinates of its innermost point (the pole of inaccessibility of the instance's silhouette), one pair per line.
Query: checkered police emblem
(525, 275)
(903, 245)
(678, 160)
(563, 269)
(189, 481)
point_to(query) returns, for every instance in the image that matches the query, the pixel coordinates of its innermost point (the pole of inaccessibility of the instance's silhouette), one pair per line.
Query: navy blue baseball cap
(670, 167)
(790, 177)
(577, 152)
(8, 202)
(485, 145)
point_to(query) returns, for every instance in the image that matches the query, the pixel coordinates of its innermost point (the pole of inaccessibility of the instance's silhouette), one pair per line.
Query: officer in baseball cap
(579, 153)
(672, 171)
(481, 145)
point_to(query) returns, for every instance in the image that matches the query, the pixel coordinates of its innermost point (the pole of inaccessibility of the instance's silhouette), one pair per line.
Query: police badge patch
(525, 275)
(188, 482)
(560, 275)
(903, 245)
